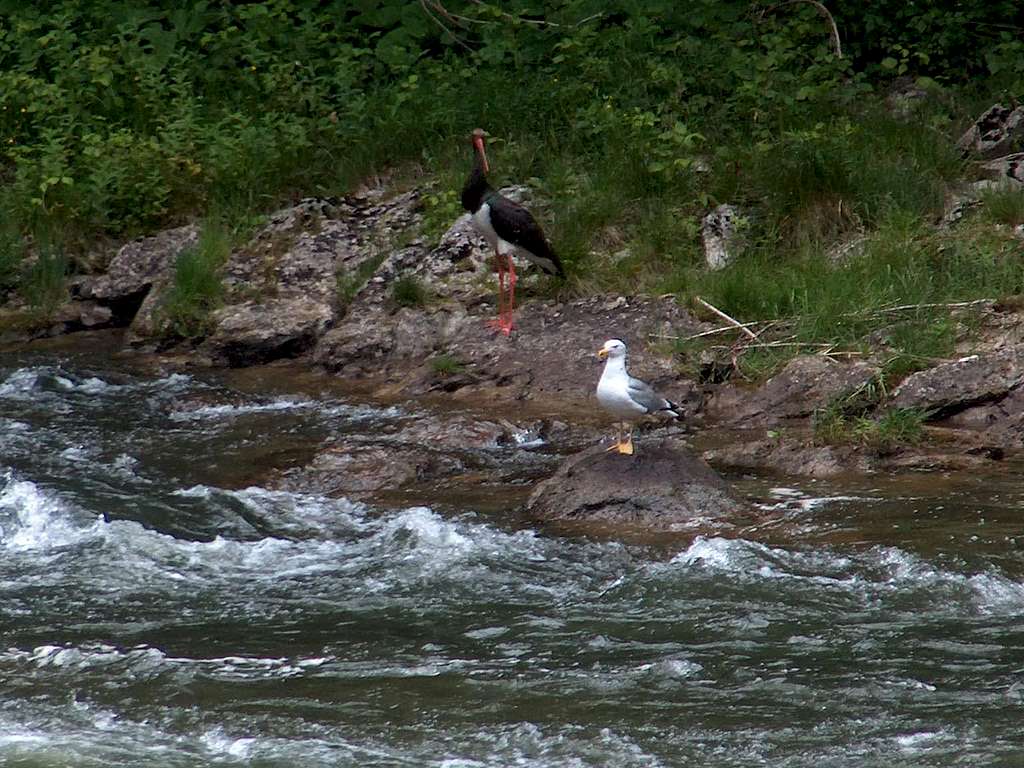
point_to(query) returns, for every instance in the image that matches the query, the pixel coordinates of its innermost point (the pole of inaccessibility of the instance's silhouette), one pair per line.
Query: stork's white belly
(614, 398)
(482, 222)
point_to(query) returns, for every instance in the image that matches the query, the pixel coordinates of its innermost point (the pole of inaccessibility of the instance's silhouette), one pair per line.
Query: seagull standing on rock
(626, 398)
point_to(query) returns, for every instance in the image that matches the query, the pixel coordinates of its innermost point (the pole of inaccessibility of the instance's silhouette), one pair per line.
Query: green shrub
(12, 254)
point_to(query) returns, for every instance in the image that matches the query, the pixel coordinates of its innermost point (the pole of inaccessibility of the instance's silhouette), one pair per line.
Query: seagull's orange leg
(618, 439)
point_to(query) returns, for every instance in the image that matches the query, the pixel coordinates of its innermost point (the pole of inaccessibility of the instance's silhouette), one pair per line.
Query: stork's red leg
(499, 323)
(510, 307)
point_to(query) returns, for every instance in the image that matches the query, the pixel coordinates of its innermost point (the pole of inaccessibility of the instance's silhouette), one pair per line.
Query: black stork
(509, 228)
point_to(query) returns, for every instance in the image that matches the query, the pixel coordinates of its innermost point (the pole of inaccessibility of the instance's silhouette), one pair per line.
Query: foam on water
(32, 519)
(35, 381)
(206, 413)
(884, 573)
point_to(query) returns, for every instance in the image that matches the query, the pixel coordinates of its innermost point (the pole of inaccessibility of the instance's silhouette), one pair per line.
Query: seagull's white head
(612, 348)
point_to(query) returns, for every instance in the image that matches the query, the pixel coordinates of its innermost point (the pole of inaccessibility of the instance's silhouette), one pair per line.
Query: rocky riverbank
(318, 287)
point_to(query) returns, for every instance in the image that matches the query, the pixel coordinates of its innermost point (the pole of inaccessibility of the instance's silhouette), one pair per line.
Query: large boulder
(799, 457)
(138, 274)
(254, 332)
(551, 356)
(661, 486)
(283, 286)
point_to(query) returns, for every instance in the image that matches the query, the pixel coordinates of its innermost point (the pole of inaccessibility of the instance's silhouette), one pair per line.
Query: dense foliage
(119, 115)
(631, 118)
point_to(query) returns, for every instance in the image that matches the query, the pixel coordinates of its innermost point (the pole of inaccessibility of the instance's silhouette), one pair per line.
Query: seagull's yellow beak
(602, 353)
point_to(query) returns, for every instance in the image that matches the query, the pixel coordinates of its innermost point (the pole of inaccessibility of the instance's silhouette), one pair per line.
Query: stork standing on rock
(626, 398)
(510, 230)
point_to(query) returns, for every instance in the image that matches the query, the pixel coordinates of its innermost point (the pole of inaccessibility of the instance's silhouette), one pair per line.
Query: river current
(157, 609)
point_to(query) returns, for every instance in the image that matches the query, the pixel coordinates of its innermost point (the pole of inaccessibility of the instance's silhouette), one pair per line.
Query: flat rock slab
(551, 355)
(662, 486)
(250, 333)
(805, 385)
(787, 457)
(957, 385)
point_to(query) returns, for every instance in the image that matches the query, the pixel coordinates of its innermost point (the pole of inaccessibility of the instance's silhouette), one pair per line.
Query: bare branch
(834, 30)
(435, 9)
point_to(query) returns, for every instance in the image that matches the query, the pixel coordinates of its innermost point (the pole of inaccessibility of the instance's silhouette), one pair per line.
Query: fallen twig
(907, 307)
(767, 344)
(735, 323)
(712, 332)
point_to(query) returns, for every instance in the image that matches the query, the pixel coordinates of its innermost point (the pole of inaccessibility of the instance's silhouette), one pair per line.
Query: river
(158, 608)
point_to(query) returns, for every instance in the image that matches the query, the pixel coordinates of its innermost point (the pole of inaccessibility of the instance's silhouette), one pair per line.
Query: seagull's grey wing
(643, 394)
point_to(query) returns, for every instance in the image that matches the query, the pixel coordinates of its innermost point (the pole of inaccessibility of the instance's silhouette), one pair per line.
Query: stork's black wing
(516, 225)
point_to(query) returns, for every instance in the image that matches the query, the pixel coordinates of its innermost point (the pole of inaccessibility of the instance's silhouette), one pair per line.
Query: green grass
(1005, 206)
(895, 427)
(904, 263)
(349, 284)
(197, 289)
(840, 424)
(446, 365)
(408, 291)
(43, 282)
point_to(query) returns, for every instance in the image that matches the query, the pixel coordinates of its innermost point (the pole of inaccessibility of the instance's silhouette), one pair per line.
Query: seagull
(627, 398)
(509, 229)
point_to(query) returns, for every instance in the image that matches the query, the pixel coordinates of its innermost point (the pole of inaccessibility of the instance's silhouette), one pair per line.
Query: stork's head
(478, 145)
(612, 348)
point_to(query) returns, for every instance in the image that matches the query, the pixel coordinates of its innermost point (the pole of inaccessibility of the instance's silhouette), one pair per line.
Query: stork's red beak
(478, 142)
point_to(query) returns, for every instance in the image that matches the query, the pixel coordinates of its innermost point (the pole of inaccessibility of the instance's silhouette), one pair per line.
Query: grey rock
(358, 471)
(282, 287)
(806, 384)
(998, 131)
(720, 231)
(139, 265)
(662, 486)
(1007, 172)
(905, 98)
(789, 457)
(250, 333)
(954, 386)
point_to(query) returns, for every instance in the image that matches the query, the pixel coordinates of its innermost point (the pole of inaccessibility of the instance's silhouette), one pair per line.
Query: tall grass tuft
(43, 282)
(197, 290)
(1005, 206)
